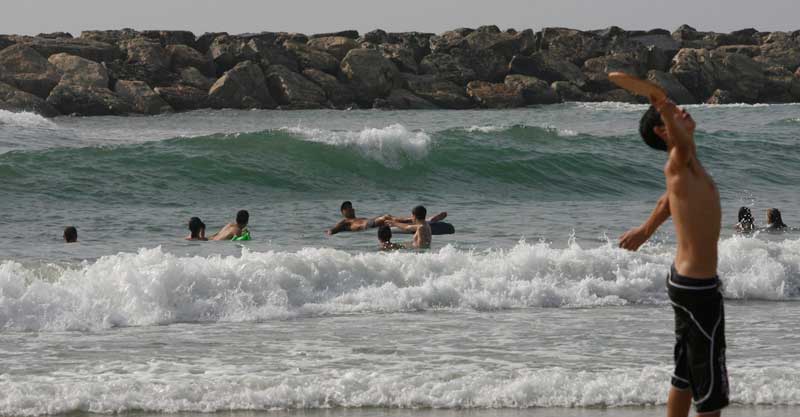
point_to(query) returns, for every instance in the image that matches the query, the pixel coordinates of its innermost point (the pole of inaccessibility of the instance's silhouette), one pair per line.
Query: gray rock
(23, 68)
(294, 91)
(750, 50)
(567, 91)
(227, 51)
(141, 97)
(723, 97)
(204, 41)
(183, 97)
(5, 42)
(572, 45)
(243, 87)
(369, 74)
(495, 96)
(675, 90)
(780, 49)
(83, 100)
(191, 76)
(12, 99)
(547, 67)
(402, 99)
(171, 37)
(55, 35)
(447, 67)
(663, 42)
(308, 57)
(80, 71)
(739, 74)
(442, 93)
(351, 34)
(444, 42)
(271, 54)
(625, 62)
(111, 37)
(338, 94)
(780, 86)
(149, 60)
(84, 48)
(182, 56)
(338, 46)
(695, 71)
(702, 72)
(402, 57)
(533, 90)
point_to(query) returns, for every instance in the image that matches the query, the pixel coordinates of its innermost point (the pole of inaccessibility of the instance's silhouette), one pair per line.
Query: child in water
(385, 239)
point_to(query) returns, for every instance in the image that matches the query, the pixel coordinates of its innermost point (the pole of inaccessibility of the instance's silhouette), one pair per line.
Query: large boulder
(350, 34)
(533, 90)
(402, 99)
(547, 67)
(723, 97)
(149, 59)
(204, 41)
(141, 97)
(81, 71)
(695, 71)
(308, 57)
(740, 74)
(86, 100)
(702, 72)
(5, 42)
(338, 46)
(402, 56)
(12, 99)
(25, 69)
(192, 76)
(171, 37)
(780, 86)
(84, 48)
(271, 54)
(294, 91)
(227, 51)
(370, 74)
(626, 62)
(183, 97)
(243, 87)
(750, 50)
(182, 56)
(440, 92)
(110, 37)
(338, 94)
(447, 67)
(675, 90)
(493, 96)
(572, 45)
(567, 91)
(781, 49)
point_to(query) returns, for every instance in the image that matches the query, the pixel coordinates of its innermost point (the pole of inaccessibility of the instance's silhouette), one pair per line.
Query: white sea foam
(24, 119)
(161, 386)
(388, 145)
(486, 129)
(154, 287)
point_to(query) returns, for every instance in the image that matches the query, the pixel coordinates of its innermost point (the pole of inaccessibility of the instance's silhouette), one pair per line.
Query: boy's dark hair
(70, 234)
(419, 212)
(774, 218)
(745, 215)
(346, 205)
(650, 120)
(242, 217)
(384, 233)
(196, 226)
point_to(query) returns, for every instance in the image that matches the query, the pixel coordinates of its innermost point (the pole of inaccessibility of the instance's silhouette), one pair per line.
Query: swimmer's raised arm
(634, 238)
(404, 227)
(683, 147)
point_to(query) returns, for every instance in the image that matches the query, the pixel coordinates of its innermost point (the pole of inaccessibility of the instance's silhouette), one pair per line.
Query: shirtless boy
(232, 230)
(693, 286)
(351, 223)
(420, 228)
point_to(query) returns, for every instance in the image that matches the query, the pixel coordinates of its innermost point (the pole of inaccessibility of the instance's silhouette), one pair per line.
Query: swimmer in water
(420, 228)
(70, 234)
(197, 229)
(746, 221)
(351, 223)
(234, 230)
(385, 239)
(693, 286)
(774, 220)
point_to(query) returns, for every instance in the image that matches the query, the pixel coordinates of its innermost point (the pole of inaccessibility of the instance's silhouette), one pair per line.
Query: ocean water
(529, 309)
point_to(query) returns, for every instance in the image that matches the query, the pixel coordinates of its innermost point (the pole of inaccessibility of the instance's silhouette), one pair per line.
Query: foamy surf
(24, 119)
(154, 287)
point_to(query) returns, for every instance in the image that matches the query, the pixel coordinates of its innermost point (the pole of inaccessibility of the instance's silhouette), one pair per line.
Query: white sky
(315, 16)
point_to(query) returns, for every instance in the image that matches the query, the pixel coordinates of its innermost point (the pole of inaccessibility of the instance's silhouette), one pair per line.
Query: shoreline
(122, 72)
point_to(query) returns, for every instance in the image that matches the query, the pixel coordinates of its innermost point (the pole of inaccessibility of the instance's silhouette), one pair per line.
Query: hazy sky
(314, 16)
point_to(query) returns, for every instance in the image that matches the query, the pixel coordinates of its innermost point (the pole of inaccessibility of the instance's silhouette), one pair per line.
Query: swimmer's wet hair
(70, 234)
(384, 233)
(774, 218)
(650, 120)
(242, 217)
(195, 226)
(345, 205)
(419, 212)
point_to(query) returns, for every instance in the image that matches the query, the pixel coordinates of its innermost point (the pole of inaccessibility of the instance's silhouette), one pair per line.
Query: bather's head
(419, 213)
(774, 219)
(196, 227)
(653, 131)
(384, 234)
(70, 234)
(242, 218)
(347, 210)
